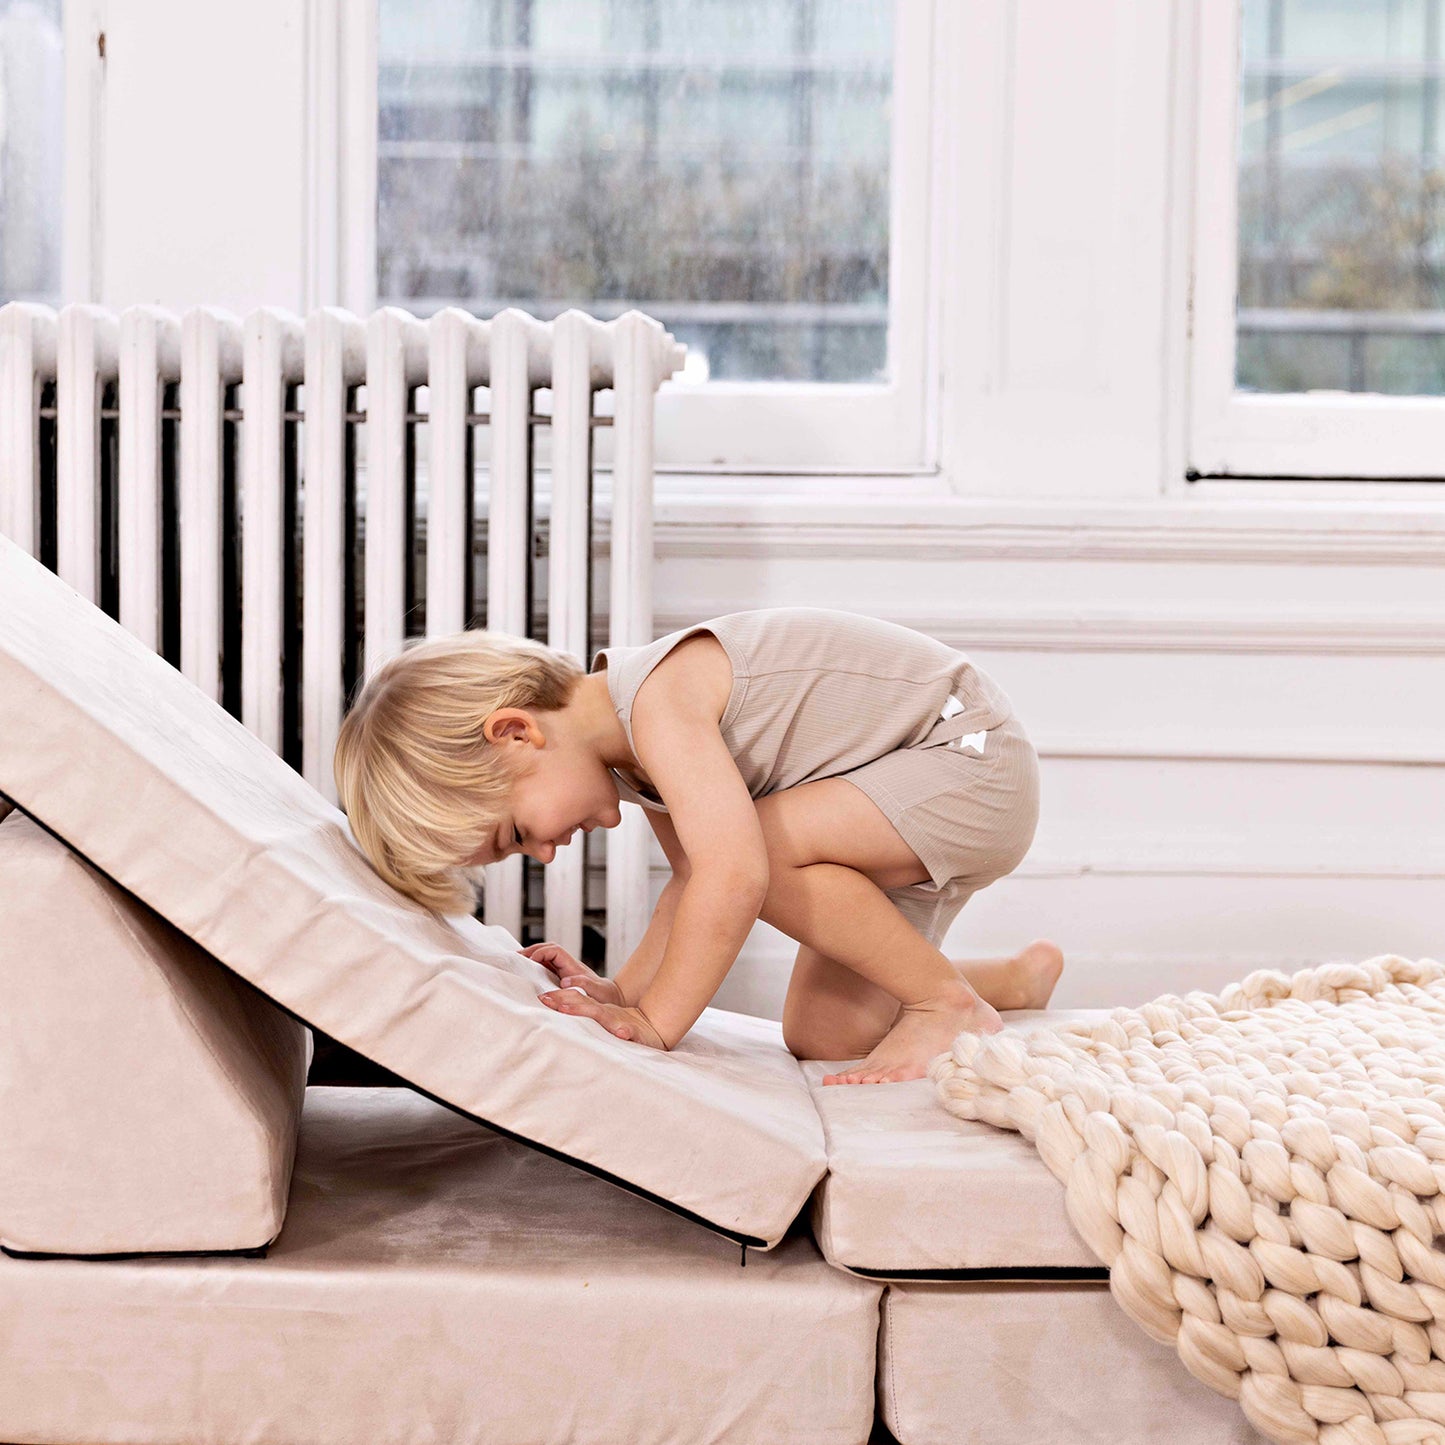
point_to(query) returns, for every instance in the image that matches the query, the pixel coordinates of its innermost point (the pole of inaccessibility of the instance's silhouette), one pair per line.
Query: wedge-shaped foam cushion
(111, 748)
(149, 1099)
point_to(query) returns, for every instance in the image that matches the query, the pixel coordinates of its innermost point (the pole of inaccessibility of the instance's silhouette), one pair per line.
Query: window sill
(718, 516)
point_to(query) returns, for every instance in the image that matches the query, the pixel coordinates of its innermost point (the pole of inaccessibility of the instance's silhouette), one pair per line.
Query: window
(1323, 120)
(749, 172)
(1341, 198)
(31, 133)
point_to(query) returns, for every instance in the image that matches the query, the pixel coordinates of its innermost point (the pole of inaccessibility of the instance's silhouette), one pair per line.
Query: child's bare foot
(922, 1032)
(1031, 977)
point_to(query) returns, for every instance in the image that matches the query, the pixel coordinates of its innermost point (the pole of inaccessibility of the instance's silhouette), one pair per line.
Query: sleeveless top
(817, 692)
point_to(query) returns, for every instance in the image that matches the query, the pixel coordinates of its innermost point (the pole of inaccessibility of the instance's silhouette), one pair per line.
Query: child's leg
(837, 844)
(831, 1012)
(1024, 981)
(846, 917)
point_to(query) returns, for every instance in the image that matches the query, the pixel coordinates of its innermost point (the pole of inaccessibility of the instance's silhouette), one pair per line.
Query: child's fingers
(547, 955)
(588, 1007)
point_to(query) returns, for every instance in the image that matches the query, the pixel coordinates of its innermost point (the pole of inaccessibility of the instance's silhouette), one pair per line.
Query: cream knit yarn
(1262, 1172)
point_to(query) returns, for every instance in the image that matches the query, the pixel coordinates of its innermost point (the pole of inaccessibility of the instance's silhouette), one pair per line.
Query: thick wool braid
(1263, 1172)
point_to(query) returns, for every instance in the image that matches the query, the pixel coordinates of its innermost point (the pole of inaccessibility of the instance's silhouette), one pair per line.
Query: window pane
(32, 79)
(721, 164)
(1341, 197)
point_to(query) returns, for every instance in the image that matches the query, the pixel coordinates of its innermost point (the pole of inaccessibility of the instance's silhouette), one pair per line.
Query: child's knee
(837, 1038)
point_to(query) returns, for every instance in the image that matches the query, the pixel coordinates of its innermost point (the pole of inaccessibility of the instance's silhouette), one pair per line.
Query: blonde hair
(420, 784)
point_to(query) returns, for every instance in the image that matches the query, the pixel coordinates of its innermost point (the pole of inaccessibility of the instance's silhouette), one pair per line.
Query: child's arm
(718, 833)
(641, 967)
(713, 919)
(716, 824)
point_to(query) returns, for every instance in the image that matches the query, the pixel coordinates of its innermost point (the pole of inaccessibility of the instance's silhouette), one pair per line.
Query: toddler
(850, 781)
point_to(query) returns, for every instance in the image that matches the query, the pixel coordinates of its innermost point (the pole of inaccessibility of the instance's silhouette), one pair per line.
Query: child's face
(560, 794)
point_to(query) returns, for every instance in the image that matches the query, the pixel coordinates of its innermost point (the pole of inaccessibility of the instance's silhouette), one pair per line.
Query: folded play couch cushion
(914, 1193)
(1044, 1361)
(107, 745)
(439, 1282)
(149, 1099)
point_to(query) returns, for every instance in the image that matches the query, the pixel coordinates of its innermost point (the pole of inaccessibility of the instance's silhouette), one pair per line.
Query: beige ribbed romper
(922, 731)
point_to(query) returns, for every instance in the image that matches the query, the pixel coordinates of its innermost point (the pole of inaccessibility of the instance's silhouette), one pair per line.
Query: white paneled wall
(1241, 755)
(1236, 689)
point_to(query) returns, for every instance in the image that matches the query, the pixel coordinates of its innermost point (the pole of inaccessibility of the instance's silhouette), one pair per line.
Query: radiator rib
(150, 357)
(89, 360)
(335, 364)
(211, 362)
(271, 365)
(27, 358)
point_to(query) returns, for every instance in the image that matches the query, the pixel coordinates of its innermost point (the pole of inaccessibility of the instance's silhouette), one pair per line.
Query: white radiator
(133, 445)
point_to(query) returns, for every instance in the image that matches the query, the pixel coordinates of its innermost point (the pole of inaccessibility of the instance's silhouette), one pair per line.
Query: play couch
(552, 1236)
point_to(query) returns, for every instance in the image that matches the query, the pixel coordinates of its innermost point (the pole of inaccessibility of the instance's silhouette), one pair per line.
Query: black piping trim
(1191, 475)
(737, 1237)
(1058, 1272)
(259, 1252)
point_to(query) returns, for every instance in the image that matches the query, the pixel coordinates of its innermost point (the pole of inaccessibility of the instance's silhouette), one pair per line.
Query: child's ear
(507, 724)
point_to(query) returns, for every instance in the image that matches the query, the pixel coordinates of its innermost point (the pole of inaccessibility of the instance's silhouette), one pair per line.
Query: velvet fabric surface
(149, 1099)
(911, 1188)
(1037, 1364)
(436, 1281)
(106, 744)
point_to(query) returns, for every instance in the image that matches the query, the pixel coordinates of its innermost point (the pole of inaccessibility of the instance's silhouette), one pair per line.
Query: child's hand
(625, 1023)
(571, 974)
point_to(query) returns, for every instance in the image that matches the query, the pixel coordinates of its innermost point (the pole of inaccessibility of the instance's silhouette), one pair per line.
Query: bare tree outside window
(32, 95)
(721, 164)
(1341, 198)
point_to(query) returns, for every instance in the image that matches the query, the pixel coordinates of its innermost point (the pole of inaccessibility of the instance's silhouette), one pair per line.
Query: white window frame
(770, 429)
(1244, 435)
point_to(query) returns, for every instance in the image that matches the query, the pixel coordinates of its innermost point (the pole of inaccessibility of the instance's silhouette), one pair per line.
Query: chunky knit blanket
(1262, 1172)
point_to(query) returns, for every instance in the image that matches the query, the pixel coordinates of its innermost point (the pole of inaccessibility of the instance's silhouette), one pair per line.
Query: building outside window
(32, 113)
(722, 165)
(1341, 197)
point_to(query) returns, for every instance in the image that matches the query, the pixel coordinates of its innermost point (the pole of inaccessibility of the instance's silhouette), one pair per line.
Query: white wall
(1236, 689)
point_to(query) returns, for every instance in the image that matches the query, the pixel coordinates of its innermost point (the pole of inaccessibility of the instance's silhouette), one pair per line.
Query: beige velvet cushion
(912, 1189)
(1037, 1363)
(148, 1098)
(109, 746)
(439, 1282)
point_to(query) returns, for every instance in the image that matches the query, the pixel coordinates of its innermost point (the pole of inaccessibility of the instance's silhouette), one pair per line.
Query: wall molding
(1220, 860)
(913, 528)
(1258, 746)
(729, 516)
(1097, 630)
